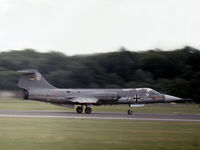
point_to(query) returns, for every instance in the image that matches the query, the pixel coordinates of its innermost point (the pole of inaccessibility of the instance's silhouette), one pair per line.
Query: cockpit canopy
(149, 90)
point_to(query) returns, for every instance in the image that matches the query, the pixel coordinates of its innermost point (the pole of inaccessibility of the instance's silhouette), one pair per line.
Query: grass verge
(80, 134)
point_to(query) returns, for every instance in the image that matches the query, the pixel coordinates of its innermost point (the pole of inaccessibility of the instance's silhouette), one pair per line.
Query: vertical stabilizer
(31, 79)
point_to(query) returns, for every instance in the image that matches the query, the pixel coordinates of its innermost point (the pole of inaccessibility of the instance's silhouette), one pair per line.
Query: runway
(99, 115)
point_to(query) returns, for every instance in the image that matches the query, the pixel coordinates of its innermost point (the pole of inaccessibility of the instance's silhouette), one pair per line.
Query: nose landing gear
(130, 111)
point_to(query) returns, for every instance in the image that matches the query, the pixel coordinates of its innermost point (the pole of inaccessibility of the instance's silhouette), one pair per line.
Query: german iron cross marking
(136, 98)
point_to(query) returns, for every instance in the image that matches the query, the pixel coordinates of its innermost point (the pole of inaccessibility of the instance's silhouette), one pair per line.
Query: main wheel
(88, 110)
(79, 109)
(130, 112)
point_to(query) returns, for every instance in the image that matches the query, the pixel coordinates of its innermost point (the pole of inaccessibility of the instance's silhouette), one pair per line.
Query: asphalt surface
(99, 115)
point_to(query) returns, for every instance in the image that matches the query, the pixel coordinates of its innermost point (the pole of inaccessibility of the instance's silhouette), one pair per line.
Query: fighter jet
(36, 87)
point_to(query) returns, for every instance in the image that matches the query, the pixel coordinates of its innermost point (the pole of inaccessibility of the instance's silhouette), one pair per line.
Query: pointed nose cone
(169, 98)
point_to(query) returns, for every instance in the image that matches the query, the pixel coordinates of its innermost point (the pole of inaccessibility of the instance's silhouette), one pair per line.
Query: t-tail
(32, 79)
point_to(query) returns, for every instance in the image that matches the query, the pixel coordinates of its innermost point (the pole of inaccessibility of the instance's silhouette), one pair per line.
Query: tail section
(31, 79)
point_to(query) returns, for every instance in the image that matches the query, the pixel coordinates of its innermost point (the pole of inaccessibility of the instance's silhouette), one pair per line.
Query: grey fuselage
(104, 96)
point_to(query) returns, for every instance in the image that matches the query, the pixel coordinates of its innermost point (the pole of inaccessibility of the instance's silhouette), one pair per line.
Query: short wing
(137, 105)
(84, 100)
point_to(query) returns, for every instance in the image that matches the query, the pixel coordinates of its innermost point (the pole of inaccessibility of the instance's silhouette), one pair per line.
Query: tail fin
(31, 78)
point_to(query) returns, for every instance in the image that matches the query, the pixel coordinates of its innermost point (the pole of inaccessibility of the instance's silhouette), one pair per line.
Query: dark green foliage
(174, 72)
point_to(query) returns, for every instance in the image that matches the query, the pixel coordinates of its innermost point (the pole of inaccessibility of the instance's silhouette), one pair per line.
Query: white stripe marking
(101, 118)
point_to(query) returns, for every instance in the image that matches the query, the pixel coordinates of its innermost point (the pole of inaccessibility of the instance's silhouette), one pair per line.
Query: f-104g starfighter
(36, 87)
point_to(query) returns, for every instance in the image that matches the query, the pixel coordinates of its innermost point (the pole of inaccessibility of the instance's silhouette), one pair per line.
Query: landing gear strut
(25, 94)
(79, 109)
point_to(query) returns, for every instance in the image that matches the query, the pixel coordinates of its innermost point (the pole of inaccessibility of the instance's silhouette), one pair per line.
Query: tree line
(174, 72)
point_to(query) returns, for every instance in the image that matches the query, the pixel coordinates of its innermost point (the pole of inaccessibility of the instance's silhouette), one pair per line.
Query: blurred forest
(172, 72)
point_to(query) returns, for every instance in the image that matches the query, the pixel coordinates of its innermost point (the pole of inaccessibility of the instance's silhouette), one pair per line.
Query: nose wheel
(130, 112)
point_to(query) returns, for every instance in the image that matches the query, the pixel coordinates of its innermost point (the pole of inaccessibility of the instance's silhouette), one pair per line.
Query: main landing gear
(79, 109)
(25, 94)
(88, 110)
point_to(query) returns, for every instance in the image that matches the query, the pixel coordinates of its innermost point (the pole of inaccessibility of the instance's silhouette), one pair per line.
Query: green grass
(81, 134)
(16, 104)
(77, 134)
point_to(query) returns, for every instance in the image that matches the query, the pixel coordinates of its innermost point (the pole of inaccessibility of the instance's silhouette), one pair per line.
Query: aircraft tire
(130, 112)
(79, 109)
(88, 110)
